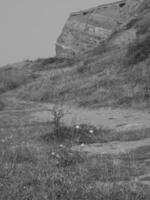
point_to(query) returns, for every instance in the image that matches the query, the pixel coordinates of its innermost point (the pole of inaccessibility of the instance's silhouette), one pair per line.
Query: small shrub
(58, 115)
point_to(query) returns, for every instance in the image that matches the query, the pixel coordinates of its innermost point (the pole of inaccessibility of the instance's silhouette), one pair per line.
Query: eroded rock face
(87, 29)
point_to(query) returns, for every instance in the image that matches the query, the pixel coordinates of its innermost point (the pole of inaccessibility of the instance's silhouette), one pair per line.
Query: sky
(30, 28)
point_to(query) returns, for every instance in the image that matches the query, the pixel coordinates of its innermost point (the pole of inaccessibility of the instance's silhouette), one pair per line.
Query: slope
(108, 75)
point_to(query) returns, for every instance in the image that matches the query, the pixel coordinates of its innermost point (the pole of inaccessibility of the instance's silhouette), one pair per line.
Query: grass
(2, 105)
(138, 51)
(36, 163)
(32, 167)
(51, 63)
(65, 175)
(12, 78)
(83, 135)
(94, 82)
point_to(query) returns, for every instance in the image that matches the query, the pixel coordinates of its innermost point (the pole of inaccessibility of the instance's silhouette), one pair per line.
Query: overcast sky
(29, 28)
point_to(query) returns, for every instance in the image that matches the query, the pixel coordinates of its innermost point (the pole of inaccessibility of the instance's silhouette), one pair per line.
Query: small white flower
(57, 156)
(61, 146)
(91, 131)
(82, 145)
(77, 127)
(53, 153)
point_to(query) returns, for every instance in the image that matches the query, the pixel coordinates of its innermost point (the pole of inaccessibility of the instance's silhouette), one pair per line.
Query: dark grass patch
(138, 51)
(141, 153)
(89, 134)
(83, 134)
(51, 63)
(2, 105)
(19, 155)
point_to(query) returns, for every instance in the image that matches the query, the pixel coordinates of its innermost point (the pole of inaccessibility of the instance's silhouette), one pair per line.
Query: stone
(87, 29)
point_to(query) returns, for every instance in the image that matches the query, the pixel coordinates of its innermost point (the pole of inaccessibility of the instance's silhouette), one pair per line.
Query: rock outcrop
(87, 29)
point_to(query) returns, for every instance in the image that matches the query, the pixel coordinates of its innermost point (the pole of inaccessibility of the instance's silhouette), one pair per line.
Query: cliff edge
(87, 29)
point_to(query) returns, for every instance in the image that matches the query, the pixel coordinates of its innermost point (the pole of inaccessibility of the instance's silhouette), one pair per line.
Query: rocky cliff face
(87, 29)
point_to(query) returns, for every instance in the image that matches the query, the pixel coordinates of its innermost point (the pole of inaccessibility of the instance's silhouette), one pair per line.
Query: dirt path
(113, 148)
(116, 119)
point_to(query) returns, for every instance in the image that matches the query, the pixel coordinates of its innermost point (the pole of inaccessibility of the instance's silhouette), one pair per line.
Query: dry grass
(12, 78)
(32, 167)
(95, 82)
(2, 105)
(29, 172)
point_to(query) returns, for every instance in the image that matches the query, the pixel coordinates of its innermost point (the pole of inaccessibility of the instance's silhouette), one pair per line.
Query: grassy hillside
(106, 76)
(13, 77)
(100, 80)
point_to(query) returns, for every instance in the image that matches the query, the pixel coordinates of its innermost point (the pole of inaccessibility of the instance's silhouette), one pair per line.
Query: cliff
(87, 29)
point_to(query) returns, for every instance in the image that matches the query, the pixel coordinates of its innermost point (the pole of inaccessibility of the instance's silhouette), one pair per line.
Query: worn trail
(116, 119)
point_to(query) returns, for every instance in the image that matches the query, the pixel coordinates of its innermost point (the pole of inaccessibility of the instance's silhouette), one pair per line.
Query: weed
(57, 114)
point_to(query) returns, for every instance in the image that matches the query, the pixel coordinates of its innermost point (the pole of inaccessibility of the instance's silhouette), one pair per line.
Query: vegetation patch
(2, 105)
(138, 51)
(33, 169)
(12, 78)
(51, 63)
